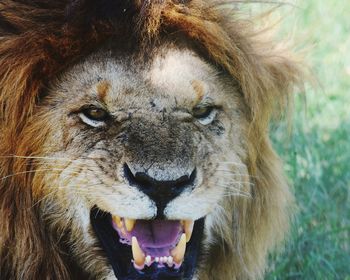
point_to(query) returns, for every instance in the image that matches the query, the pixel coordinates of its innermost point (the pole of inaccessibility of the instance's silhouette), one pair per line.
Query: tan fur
(199, 89)
(35, 50)
(102, 89)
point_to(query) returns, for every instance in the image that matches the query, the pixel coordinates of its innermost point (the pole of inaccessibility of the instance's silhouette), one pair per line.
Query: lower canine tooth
(138, 254)
(178, 253)
(129, 224)
(188, 227)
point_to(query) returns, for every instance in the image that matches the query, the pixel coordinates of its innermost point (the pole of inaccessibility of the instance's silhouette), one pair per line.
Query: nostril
(129, 176)
(140, 180)
(186, 181)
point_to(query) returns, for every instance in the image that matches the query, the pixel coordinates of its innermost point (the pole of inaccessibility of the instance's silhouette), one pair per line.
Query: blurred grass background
(317, 151)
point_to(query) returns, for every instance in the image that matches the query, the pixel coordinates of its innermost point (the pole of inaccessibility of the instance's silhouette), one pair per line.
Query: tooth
(170, 261)
(161, 259)
(188, 227)
(129, 224)
(157, 259)
(139, 256)
(148, 260)
(118, 221)
(178, 252)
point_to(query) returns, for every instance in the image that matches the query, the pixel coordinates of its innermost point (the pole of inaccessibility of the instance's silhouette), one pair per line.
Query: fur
(40, 39)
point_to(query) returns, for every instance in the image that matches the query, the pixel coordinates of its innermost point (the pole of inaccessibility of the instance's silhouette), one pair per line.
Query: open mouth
(149, 249)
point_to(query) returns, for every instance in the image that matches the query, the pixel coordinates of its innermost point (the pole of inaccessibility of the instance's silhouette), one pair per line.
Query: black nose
(161, 192)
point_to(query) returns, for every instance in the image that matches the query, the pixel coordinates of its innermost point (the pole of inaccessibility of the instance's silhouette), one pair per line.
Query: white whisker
(34, 157)
(30, 171)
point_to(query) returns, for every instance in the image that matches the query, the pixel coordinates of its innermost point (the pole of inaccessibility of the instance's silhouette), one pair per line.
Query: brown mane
(40, 38)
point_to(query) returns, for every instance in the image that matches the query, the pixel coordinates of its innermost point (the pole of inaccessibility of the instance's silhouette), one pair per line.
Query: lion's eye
(205, 115)
(93, 116)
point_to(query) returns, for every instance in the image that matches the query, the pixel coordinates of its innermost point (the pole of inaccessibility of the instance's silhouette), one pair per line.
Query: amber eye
(204, 114)
(93, 116)
(201, 112)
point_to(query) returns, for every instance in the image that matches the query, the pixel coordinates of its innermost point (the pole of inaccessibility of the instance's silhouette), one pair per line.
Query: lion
(135, 140)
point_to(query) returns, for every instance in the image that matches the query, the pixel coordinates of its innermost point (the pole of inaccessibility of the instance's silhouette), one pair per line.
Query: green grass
(317, 152)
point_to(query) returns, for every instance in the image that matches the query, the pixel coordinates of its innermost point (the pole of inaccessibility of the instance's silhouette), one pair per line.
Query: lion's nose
(161, 192)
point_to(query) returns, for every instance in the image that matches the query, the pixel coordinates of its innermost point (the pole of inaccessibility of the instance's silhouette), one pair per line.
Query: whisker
(238, 174)
(34, 157)
(40, 159)
(30, 171)
(53, 191)
(238, 195)
(232, 163)
(237, 191)
(232, 182)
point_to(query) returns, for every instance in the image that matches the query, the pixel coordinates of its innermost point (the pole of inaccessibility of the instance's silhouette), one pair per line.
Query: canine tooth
(157, 259)
(118, 221)
(188, 227)
(178, 252)
(129, 224)
(138, 254)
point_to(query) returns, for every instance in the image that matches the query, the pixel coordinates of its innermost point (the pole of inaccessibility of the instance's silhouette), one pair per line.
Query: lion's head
(135, 141)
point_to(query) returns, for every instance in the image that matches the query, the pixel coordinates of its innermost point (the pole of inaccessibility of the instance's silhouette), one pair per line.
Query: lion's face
(149, 157)
(142, 149)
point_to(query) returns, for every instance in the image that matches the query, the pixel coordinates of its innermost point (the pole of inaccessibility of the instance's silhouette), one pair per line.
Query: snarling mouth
(149, 249)
(154, 241)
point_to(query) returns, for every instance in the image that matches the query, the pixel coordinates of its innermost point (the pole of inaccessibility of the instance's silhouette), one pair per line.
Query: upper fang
(118, 221)
(129, 224)
(188, 229)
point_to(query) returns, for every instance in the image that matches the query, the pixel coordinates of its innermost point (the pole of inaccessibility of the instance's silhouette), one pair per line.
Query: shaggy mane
(41, 38)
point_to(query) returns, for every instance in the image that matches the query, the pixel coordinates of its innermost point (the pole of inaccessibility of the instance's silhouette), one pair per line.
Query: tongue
(157, 234)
